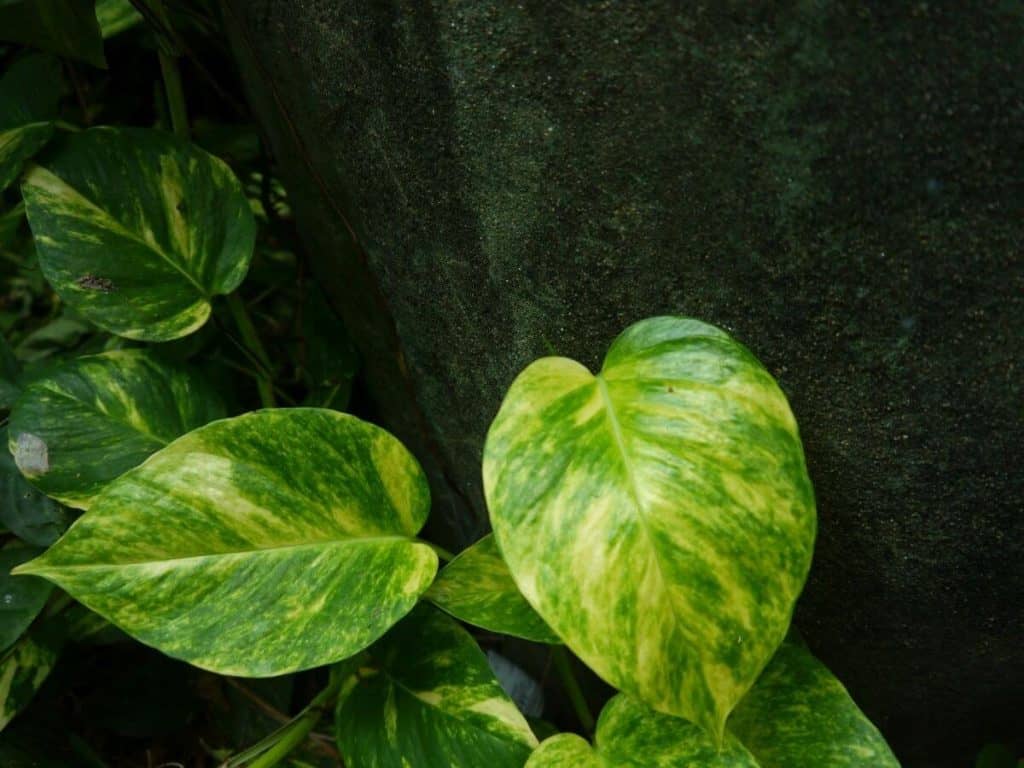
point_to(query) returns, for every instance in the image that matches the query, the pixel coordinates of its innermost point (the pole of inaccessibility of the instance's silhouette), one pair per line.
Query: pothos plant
(655, 518)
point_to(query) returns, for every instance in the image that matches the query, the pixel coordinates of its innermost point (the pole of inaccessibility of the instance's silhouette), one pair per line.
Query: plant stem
(175, 94)
(441, 552)
(579, 703)
(255, 346)
(296, 732)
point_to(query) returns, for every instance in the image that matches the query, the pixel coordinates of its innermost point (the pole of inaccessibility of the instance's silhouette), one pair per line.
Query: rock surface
(839, 185)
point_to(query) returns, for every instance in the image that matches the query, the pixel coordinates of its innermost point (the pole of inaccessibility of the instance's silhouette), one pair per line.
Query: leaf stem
(255, 346)
(441, 552)
(572, 688)
(293, 734)
(175, 94)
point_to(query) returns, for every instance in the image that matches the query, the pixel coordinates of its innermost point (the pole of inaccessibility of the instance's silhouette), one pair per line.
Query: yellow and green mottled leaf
(657, 515)
(138, 230)
(25, 511)
(65, 27)
(259, 545)
(74, 431)
(799, 715)
(29, 93)
(21, 597)
(477, 588)
(631, 735)
(430, 700)
(24, 668)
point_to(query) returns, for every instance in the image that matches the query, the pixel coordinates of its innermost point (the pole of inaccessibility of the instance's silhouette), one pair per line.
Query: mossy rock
(839, 186)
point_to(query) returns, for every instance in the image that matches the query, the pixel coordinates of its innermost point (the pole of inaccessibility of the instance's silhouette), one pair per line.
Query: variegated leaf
(29, 92)
(21, 598)
(630, 735)
(799, 715)
(658, 515)
(429, 700)
(477, 588)
(271, 542)
(138, 230)
(74, 431)
(25, 667)
(27, 512)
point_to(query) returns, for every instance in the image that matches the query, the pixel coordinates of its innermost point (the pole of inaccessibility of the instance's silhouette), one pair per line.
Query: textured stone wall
(840, 185)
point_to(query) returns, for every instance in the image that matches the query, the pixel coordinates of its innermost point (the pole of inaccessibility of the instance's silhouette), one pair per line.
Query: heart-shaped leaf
(630, 735)
(477, 588)
(138, 230)
(21, 598)
(29, 93)
(658, 516)
(797, 715)
(74, 431)
(430, 700)
(272, 542)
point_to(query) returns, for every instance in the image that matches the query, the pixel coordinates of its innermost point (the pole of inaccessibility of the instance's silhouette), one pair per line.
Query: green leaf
(74, 431)
(799, 715)
(138, 230)
(658, 515)
(272, 542)
(29, 94)
(25, 667)
(116, 16)
(65, 27)
(630, 735)
(21, 598)
(477, 588)
(430, 700)
(25, 511)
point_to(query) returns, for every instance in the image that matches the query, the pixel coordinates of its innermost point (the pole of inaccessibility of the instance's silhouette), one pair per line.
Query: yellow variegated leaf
(138, 230)
(657, 515)
(272, 542)
(427, 698)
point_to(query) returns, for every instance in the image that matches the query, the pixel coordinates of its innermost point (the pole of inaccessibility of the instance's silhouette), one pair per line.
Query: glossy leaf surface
(658, 516)
(272, 542)
(21, 597)
(430, 700)
(138, 230)
(799, 715)
(74, 431)
(477, 588)
(26, 511)
(630, 735)
(29, 93)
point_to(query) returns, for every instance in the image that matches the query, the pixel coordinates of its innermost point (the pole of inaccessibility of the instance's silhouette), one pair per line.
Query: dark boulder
(840, 185)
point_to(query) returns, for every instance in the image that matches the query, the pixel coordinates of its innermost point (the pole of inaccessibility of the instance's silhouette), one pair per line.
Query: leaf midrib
(211, 555)
(121, 229)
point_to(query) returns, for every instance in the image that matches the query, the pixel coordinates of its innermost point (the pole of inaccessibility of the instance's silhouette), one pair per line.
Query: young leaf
(25, 511)
(116, 16)
(21, 599)
(90, 421)
(275, 541)
(630, 735)
(477, 588)
(65, 27)
(657, 515)
(29, 93)
(138, 230)
(799, 715)
(431, 701)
